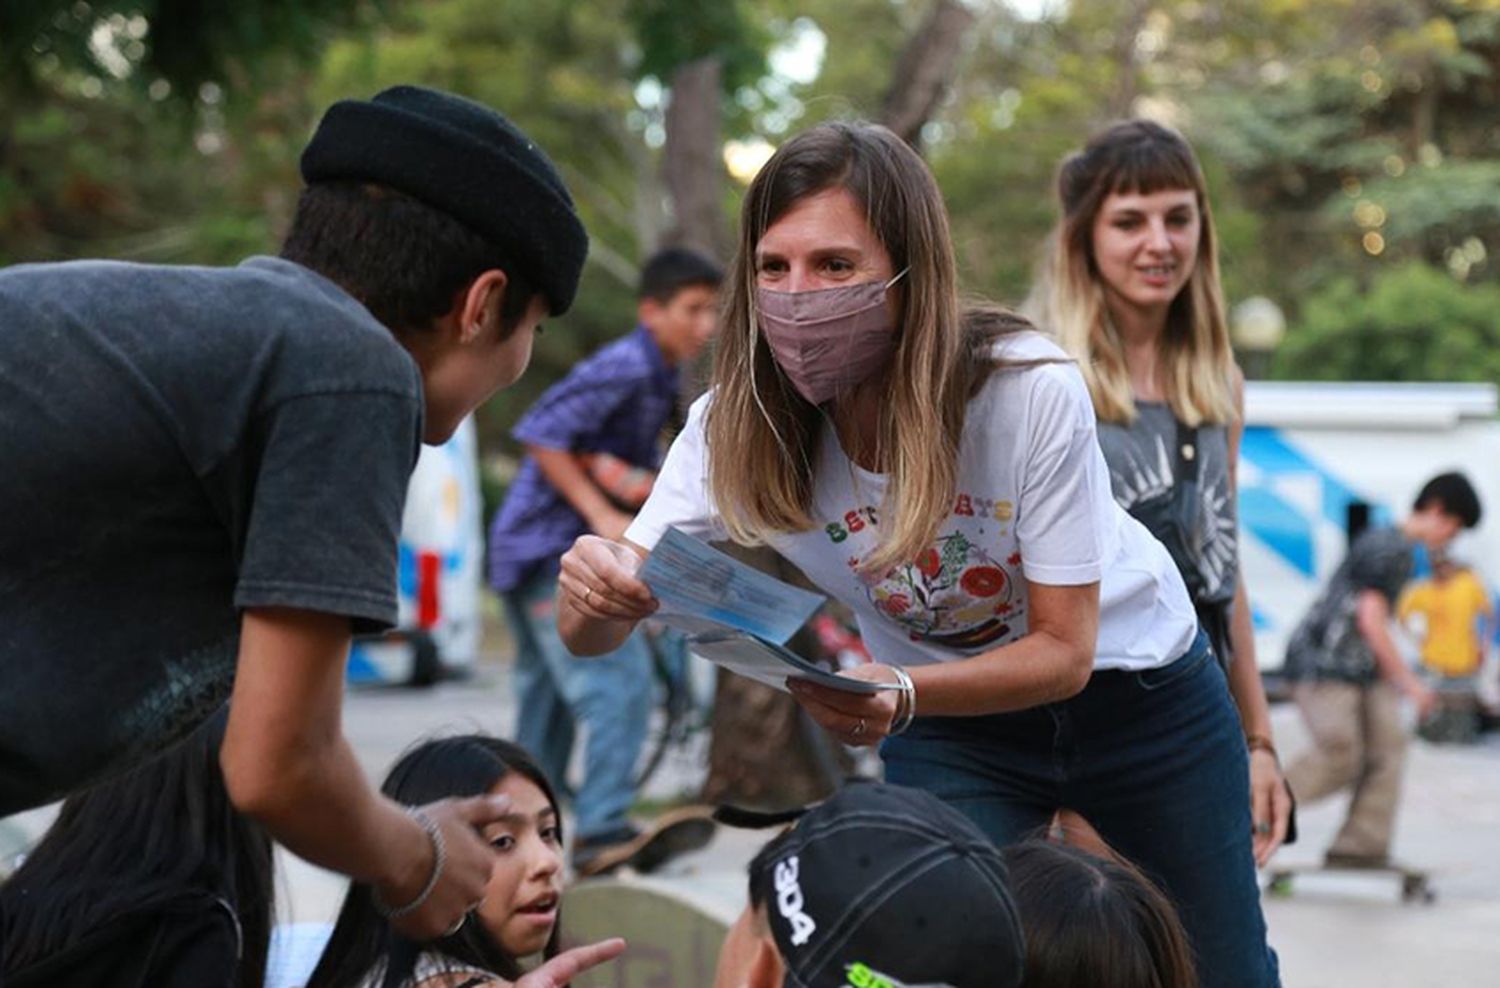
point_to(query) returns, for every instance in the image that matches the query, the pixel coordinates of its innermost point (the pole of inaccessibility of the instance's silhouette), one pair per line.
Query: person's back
(1327, 644)
(153, 414)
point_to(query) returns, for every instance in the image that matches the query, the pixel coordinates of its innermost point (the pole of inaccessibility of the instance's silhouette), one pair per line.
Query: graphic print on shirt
(1138, 475)
(955, 593)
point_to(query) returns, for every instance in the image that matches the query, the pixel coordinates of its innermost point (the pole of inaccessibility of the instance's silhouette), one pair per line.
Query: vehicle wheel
(426, 664)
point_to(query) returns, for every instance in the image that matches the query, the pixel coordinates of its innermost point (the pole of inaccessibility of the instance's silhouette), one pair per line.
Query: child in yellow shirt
(1452, 602)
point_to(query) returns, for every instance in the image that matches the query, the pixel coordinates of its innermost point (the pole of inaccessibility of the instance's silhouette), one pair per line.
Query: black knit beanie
(466, 160)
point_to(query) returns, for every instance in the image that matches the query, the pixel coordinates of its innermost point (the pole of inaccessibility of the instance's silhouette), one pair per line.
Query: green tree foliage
(157, 130)
(1443, 213)
(183, 42)
(1372, 148)
(1412, 323)
(1342, 141)
(673, 32)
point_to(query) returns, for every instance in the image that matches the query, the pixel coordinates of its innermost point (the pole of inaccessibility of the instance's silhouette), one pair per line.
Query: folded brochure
(736, 616)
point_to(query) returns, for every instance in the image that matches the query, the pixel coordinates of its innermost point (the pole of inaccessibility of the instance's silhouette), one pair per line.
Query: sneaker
(671, 834)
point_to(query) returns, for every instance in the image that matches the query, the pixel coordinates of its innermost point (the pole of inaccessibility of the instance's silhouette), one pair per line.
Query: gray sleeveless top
(1142, 460)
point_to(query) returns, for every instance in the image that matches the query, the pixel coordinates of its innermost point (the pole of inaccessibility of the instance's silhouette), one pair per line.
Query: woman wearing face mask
(937, 470)
(1130, 285)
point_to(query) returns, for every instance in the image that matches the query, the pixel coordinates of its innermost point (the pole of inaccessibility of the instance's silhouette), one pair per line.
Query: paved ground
(1335, 931)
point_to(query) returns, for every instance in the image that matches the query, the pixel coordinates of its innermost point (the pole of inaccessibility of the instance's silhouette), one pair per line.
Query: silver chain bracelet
(439, 856)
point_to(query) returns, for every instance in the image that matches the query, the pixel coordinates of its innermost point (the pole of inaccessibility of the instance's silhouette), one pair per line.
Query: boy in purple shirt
(615, 402)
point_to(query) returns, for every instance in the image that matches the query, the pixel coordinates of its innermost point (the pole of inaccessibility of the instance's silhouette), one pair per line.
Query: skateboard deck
(1416, 884)
(673, 833)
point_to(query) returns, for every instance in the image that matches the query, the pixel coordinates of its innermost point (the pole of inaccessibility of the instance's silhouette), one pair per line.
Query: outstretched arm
(600, 598)
(287, 764)
(1051, 662)
(568, 478)
(1372, 615)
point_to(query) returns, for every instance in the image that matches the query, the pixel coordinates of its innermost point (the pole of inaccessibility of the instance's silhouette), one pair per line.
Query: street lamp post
(1256, 326)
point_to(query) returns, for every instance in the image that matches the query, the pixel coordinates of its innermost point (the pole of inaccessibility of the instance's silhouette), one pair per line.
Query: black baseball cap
(886, 885)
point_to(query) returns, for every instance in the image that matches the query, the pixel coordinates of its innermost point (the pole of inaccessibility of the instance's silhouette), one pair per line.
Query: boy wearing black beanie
(206, 469)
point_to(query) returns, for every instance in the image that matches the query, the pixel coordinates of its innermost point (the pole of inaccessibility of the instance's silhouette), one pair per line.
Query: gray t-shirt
(178, 444)
(1327, 644)
(1143, 461)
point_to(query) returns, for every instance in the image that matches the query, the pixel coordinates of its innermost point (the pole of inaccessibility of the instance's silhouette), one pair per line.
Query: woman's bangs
(1147, 168)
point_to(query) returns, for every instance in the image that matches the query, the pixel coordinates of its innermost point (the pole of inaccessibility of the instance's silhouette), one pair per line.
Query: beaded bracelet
(906, 705)
(439, 856)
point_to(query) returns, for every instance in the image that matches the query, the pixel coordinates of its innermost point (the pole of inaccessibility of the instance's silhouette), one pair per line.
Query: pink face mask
(830, 340)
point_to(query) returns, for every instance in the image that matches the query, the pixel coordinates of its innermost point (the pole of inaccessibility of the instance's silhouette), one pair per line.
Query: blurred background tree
(1352, 149)
(128, 128)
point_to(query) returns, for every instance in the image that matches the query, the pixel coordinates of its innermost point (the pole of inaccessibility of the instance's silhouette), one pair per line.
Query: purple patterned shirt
(617, 400)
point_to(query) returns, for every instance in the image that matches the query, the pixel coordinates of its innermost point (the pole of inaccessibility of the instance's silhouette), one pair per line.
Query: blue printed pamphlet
(735, 615)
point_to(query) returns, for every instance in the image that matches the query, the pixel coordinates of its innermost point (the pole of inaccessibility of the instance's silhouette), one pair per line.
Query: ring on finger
(1262, 827)
(588, 596)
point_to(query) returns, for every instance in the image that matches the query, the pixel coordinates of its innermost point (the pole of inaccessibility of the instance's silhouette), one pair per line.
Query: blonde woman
(937, 470)
(1130, 286)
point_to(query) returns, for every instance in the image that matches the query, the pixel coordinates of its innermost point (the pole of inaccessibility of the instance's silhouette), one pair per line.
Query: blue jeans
(610, 696)
(1155, 760)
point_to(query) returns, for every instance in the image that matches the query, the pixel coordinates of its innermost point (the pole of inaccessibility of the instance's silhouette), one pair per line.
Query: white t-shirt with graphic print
(1033, 503)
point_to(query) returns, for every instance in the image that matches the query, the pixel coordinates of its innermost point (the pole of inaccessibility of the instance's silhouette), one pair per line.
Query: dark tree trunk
(693, 159)
(924, 71)
(1122, 97)
(693, 172)
(761, 753)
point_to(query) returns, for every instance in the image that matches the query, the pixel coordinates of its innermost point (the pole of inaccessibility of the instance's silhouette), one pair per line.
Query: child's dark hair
(1453, 495)
(1094, 921)
(404, 260)
(363, 943)
(672, 269)
(161, 837)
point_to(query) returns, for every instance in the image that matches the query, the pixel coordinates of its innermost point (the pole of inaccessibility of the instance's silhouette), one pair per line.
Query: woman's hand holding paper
(857, 719)
(599, 578)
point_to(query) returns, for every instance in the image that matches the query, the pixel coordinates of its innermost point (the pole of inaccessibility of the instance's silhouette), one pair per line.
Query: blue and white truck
(1314, 453)
(440, 576)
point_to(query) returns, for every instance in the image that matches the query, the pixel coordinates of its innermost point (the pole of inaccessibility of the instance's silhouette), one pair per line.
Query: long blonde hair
(1144, 157)
(761, 433)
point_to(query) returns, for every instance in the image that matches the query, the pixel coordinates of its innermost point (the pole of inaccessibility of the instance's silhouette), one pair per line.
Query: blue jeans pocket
(1190, 662)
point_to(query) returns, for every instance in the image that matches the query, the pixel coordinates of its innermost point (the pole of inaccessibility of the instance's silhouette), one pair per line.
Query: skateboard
(1416, 884)
(676, 832)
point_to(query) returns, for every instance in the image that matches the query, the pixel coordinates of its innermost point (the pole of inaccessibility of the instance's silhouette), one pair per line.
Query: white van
(1314, 453)
(440, 576)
